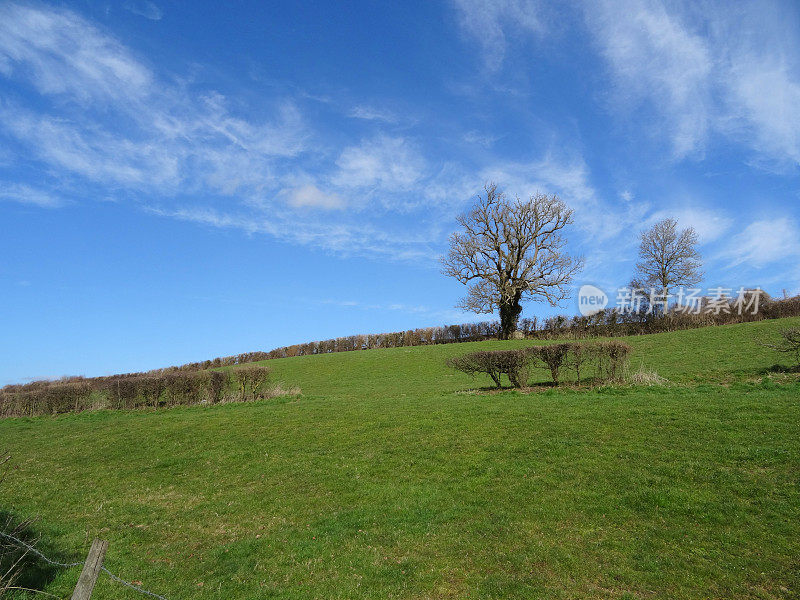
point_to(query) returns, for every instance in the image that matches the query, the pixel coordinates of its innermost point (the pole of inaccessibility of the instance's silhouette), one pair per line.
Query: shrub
(217, 382)
(132, 390)
(180, 388)
(65, 397)
(251, 381)
(515, 364)
(151, 388)
(580, 355)
(553, 356)
(122, 393)
(494, 363)
(609, 358)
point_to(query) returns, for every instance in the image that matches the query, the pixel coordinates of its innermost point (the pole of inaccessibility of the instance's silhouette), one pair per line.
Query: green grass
(384, 481)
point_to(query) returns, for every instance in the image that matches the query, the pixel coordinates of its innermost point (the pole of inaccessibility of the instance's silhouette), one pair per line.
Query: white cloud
(399, 307)
(106, 119)
(370, 113)
(488, 21)
(25, 194)
(212, 217)
(431, 314)
(764, 242)
(765, 97)
(96, 154)
(655, 57)
(345, 238)
(481, 139)
(144, 8)
(686, 72)
(62, 53)
(709, 224)
(705, 71)
(310, 196)
(389, 163)
(139, 132)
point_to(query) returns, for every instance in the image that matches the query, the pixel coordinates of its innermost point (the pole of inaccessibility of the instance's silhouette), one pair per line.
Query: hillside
(709, 354)
(388, 478)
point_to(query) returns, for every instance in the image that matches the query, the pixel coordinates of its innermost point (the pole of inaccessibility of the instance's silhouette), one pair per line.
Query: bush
(580, 356)
(552, 356)
(610, 360)
(251, 381)
(132, 390)
(512, 363)
(217, 382)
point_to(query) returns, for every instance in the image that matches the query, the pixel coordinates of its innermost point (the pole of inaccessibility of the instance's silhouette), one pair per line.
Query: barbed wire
(30, 548)
(56, 563)
(131, 585)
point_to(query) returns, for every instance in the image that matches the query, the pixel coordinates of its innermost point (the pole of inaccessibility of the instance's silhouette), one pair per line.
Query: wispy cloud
(115, 122)
(346, 238)
(705, 71)
(709, 224)
(764, 96)
(61, 53)
(390, 163)
(108, 118)
(144, 8)
(489, 23)
(484, 140)
(685, 73)
(655, 57)
(310, 196)
(371, 113)
(395, 306)
(764, 242)
(25, 194)
(444, 316)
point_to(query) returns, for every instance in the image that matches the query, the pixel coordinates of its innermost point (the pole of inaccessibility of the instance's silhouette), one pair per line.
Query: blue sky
(180, 181)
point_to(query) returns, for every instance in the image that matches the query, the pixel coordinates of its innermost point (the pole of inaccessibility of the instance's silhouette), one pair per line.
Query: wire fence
(55, 563)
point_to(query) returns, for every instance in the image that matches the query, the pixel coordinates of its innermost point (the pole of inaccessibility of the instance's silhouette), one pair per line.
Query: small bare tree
(789, 343)
(510, 251)
(668, 258)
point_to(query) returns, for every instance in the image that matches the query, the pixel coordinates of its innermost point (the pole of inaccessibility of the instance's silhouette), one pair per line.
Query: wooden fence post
(91, 569)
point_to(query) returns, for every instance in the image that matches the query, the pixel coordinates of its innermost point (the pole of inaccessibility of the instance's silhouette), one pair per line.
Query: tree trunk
(509, 316)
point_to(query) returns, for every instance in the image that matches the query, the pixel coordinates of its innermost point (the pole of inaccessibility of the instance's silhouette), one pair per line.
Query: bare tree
(510, 251)
(789, 343)
(668, 258)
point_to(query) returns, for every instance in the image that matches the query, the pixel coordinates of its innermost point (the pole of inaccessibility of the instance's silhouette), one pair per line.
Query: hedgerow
(609, 322)
(136, 390)
(609, 360)
(150, 388)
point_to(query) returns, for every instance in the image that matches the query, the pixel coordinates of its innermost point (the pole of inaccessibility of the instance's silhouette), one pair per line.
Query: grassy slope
(381, 482)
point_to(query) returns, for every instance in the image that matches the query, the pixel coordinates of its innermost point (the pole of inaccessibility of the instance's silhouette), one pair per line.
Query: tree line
(155, 389)
(131, 390)
(610, 322)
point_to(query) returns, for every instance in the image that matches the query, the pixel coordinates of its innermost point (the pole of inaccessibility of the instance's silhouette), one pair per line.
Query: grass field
(387, 478)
